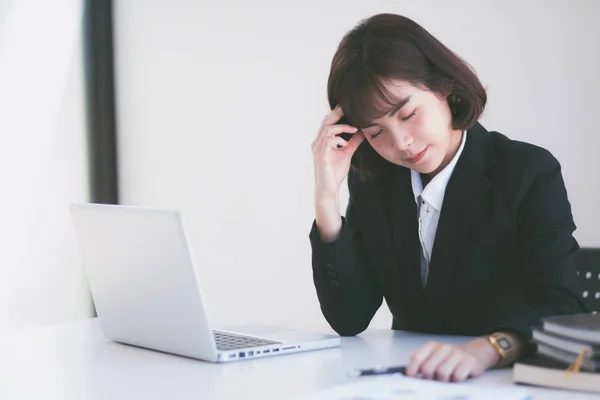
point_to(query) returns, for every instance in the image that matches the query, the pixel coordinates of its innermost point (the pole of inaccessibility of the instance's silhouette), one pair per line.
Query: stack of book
(568, 354)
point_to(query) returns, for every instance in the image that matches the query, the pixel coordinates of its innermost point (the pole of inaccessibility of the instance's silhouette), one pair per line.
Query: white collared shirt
(429, 206)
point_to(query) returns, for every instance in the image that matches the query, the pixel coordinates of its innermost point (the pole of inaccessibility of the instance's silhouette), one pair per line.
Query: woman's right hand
(332, 155)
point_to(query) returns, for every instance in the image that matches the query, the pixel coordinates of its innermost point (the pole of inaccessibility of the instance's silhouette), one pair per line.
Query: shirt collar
(435, 190)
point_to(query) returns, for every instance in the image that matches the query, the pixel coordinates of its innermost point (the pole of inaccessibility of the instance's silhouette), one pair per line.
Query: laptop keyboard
(229, 341)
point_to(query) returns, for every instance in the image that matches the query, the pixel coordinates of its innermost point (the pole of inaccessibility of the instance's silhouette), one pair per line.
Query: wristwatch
(504, 346)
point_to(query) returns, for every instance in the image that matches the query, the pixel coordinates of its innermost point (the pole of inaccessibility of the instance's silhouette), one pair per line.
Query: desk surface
(76, 361)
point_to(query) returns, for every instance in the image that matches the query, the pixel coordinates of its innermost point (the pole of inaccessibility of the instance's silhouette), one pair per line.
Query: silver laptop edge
(145, 287)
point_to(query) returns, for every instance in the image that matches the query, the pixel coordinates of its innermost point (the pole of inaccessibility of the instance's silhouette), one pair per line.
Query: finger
(447, 367)
(414, 365)
(431, 364)
(463, 370)
(333, 116)
(336, 142)
(355, 141)
(333, 130)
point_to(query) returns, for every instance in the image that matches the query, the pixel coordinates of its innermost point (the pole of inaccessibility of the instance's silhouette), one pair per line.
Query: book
(542, 371)
(559, 342)
(568, 358)
(584, 327)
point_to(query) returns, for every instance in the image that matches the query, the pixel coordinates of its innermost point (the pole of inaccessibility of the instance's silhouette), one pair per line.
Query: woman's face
(417, 133)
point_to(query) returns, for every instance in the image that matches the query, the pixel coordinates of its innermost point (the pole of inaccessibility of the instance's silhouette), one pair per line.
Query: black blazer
(502, 257)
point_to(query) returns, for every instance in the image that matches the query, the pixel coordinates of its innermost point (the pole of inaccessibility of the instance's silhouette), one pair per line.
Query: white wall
(218, 103)
(43, 164)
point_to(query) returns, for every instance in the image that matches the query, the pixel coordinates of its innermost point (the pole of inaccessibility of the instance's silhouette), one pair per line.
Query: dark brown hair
(388, 46)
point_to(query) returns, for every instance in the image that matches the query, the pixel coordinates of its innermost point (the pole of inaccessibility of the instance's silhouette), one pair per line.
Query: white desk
(75, 361)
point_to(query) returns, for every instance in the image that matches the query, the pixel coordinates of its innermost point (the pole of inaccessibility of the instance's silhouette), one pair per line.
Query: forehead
(377, 98)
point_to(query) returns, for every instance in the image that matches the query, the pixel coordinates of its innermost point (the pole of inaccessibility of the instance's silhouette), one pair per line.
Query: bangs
(364, 97)
(388, 49)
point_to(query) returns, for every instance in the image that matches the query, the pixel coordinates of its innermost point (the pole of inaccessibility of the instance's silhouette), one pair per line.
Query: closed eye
(373, 136)
(408, 117)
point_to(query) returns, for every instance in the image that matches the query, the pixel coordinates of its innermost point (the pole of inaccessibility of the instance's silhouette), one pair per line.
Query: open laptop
(146, 290)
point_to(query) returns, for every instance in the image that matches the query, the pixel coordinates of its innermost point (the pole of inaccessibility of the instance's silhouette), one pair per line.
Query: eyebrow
(397, 107)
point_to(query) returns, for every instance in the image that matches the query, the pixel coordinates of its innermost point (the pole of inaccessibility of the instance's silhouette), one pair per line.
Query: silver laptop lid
(142, 278)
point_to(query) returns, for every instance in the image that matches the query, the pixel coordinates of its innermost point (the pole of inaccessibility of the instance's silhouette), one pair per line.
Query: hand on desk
(447, 362)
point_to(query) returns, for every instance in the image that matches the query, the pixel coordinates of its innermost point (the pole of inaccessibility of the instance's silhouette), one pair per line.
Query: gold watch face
(503, 343)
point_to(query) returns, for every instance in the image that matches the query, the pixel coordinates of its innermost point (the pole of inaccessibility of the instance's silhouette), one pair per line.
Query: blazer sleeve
(545, 256)
(344, 282)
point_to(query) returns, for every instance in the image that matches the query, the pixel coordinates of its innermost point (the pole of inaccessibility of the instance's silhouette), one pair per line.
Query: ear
(446, 92)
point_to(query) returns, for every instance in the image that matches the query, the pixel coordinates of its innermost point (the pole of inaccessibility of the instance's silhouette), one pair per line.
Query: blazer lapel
(464, 193)
(405, 227)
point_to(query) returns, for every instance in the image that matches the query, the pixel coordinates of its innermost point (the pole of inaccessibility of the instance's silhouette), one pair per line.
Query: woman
(461, 231)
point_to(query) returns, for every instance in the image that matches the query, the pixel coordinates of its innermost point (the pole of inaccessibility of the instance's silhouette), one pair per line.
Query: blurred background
(215, 105)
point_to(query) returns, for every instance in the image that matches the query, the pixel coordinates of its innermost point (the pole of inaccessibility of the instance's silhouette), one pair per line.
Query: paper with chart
(403, 388)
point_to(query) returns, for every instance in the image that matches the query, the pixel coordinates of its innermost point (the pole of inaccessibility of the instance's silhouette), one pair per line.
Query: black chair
(587, 261)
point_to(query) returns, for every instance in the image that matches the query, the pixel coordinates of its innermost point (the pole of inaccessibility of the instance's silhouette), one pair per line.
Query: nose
(403, 140)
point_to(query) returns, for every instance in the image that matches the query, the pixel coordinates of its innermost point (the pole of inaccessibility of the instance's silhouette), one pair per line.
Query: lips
(417, 157)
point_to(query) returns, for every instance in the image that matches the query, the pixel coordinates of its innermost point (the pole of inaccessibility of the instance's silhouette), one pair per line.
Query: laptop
(147, 294)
